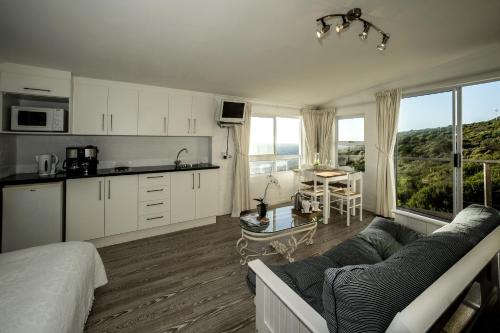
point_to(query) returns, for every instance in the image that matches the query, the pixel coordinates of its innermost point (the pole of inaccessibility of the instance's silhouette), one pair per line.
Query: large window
(446, 142)
(274, 144)
(351, 142)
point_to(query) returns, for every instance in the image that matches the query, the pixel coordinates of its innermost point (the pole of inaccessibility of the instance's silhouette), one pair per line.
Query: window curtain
(241, 183)
(318, 125)
(387, 103)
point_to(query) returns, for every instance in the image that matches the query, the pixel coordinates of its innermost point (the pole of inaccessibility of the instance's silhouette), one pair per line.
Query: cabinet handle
(164, 124)
(100, 190)
(189, 125)
(193, 180)
(154, 218)
(109, 189)
(155, 204)
(194, 121)
(37, 89)
(151, 177)
(161, 190)
(111, 122)
(199, 180)
(103, 122)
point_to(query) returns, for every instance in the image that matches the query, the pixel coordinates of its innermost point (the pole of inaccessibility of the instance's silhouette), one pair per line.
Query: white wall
(368, 110)
(114, 150)
(7, 155)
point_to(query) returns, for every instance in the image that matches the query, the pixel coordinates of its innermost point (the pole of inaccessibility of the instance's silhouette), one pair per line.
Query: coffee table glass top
(281, 218)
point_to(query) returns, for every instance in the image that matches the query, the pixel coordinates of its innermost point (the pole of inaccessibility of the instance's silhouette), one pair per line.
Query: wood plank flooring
(189, 281)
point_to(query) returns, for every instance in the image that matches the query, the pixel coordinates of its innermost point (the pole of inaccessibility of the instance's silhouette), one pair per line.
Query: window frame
(337, 141)
(273, 157)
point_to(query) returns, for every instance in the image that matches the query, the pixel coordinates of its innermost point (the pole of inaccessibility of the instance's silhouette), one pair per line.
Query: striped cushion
(365, 298)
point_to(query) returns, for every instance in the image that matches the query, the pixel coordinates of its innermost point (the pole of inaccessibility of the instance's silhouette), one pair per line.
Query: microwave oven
(34, 119)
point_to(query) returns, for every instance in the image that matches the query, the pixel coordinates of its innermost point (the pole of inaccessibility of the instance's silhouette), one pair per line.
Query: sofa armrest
(279, 309)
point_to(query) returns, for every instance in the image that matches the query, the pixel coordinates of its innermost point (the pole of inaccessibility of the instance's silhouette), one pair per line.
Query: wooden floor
(189, 281)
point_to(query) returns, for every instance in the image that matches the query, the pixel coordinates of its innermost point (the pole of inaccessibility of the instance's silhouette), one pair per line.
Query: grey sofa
(360, 285)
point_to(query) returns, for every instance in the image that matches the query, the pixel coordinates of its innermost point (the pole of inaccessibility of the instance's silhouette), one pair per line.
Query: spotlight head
(364, 34)
(323, 30)
(383, 45)
(345, 24)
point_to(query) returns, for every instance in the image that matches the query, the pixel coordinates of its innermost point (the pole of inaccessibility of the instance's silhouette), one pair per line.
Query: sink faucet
(177, 161)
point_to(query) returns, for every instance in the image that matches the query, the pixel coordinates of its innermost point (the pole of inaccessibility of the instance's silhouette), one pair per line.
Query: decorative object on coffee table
(286, 230)
(262, 206)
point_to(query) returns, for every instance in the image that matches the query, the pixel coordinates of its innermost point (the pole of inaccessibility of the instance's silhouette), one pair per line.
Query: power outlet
(226, 156)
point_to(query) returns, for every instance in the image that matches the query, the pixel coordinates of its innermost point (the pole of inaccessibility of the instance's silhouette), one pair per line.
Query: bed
(49, 288)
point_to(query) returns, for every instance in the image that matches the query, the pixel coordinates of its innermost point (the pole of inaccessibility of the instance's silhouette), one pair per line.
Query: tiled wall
(7, 155)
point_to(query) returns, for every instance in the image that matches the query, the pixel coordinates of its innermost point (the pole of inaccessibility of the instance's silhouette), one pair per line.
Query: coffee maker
(81, 160)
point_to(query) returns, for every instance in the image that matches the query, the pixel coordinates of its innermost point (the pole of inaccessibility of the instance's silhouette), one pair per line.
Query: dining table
(327, 177)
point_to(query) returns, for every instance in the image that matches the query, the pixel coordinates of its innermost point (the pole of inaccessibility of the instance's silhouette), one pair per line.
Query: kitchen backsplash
(7, 155)
(113, 150)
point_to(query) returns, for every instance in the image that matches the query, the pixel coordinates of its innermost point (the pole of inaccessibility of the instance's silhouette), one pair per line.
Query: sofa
(361, 284)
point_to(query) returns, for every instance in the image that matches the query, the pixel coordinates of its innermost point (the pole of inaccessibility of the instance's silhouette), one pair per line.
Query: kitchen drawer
(154, 179)
(154, 193)
(35, 85)
(154, 220)
(154, 206)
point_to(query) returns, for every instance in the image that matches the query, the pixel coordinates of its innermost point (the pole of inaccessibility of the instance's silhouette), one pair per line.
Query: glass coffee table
(286, 230)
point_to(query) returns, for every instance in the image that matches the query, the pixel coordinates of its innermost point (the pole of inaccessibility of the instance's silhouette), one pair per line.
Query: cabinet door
(84, 209)
(121, 204)
(203, 113)
(123, 104)
(182, 196)
(207, 182)
(35, 85)
(153, 113)
(90, 108)
(179, 117)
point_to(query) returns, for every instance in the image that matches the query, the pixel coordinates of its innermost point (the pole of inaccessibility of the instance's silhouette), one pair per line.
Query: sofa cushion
(365, 298)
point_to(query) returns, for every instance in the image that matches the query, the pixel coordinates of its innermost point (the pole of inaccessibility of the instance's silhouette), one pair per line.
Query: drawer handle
(161, 190)
(37, 89)
(151, 177)
(154, 218)
(155, 204)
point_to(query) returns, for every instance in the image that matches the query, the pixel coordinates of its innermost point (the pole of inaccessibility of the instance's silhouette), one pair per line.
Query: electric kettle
(46, 164)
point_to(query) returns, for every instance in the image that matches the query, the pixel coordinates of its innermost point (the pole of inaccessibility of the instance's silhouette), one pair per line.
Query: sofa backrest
(365, 298)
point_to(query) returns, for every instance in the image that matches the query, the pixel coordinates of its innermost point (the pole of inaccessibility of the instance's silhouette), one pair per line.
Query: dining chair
(352, 195)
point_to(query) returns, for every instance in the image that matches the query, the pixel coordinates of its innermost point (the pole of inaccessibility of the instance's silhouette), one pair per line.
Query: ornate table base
(283, 242)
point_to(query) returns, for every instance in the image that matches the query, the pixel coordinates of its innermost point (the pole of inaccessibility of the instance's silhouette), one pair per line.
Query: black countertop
(30, 178)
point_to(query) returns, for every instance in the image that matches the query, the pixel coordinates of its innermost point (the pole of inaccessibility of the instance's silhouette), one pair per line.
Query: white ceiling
(263, 49)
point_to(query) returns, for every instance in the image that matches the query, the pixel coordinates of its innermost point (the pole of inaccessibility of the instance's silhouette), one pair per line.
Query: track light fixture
(347, 19)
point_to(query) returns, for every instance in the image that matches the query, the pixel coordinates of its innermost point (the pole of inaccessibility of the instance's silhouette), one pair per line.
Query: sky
(479, 103)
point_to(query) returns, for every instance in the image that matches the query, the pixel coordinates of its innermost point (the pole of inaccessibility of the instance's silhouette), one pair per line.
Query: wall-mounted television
(231, 112)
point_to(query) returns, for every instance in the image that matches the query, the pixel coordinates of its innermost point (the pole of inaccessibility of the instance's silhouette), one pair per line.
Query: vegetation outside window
(274, 144)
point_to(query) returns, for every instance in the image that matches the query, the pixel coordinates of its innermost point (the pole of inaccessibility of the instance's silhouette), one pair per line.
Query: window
(435, 132)
(274, 144)
(350, 142)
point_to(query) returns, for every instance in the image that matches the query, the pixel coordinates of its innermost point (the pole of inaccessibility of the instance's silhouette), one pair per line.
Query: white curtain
(241, 183)
(318, 128)
(387, 126)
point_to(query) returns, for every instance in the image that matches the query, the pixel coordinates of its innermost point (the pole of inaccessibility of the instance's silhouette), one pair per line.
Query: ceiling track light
(351, 16)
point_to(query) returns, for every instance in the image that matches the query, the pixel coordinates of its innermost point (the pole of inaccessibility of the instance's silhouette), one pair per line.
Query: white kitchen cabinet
(206, 193)
(90, 108)
(202, 114)
(84, 209)
(183, 196)
(153, 113)
(123, 104)
(180, 122)
(121, 204)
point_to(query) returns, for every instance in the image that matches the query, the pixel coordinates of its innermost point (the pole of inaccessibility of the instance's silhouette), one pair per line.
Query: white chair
(352, 194)
(308, 185)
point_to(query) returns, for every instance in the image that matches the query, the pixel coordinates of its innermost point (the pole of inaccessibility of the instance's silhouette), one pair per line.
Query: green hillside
(425, 166)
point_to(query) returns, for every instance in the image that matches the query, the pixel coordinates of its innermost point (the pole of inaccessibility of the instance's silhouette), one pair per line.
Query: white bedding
(49, 288)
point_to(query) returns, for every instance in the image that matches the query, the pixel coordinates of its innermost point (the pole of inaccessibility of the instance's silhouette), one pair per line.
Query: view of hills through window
(350, 142)
(424, 155)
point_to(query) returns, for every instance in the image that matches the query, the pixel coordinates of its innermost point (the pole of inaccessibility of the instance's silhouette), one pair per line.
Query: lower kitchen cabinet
(121, 205)
(206, 193)
(84, 209)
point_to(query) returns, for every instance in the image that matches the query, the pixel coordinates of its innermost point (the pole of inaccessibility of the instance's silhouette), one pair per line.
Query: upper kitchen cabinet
(203, 115)
(180, 120)
(90, 108)
(123, 104)
(30, 80)
(191, 115)
(153, 113)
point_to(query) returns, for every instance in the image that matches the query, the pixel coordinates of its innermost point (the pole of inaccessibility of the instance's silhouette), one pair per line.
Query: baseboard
(145, 233)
